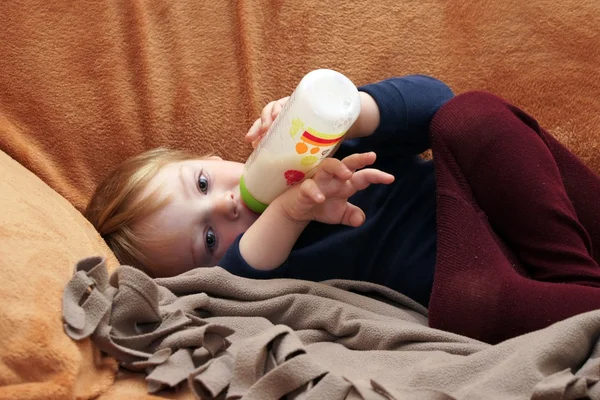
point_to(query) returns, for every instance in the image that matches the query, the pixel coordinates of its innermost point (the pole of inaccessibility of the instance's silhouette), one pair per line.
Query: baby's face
(205, 215)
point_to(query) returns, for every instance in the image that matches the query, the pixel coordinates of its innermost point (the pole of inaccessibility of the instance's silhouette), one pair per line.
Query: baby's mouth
(244, 206)
(248, 209)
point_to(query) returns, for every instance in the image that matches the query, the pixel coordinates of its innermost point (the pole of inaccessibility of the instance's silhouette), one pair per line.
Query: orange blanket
(84, 85)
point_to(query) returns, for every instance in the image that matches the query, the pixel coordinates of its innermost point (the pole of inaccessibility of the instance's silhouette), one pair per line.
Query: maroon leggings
(518, 219)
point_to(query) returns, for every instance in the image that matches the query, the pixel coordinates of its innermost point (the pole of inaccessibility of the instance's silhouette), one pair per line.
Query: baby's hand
(324, 197)
(262, 125)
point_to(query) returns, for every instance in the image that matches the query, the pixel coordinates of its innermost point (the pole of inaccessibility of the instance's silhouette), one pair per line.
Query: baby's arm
(268, 242)
(368, 119)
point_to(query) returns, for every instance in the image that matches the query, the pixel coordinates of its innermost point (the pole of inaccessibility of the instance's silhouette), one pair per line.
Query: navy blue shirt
(396, 245)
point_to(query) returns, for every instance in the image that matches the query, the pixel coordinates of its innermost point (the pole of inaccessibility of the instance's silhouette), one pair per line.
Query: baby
(167, 211)
(506, 220)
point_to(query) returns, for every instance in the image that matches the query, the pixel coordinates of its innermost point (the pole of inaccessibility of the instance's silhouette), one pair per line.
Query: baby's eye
(211, 239)
(203, 184)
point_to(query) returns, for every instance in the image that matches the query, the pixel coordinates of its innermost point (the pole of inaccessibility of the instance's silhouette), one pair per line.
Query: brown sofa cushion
(85, 84)
(41, 237)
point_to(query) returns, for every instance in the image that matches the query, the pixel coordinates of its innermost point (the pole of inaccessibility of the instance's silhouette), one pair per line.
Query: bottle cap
(249, 200)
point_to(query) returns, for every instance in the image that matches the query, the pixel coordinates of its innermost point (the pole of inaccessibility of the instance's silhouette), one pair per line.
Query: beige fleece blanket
(230, 337)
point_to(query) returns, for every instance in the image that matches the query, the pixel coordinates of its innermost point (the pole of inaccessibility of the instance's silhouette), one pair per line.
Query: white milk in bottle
(318, 114)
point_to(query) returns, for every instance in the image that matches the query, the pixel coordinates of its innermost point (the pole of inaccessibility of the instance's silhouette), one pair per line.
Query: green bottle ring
(249, 200)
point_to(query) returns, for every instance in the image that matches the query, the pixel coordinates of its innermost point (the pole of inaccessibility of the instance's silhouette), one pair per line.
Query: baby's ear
(215, 158)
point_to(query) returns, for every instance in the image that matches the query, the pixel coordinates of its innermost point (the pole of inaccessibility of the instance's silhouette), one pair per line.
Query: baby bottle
(314, 120)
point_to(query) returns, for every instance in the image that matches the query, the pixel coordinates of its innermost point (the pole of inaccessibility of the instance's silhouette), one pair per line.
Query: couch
(84, 85)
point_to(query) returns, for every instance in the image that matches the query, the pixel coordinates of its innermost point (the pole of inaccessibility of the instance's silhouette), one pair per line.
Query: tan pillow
(41, 237)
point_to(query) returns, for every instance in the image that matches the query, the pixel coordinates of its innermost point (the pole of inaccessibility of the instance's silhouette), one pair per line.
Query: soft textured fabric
(40, 233)
(396, 245)
(131, 385)
(84, 85)
(517, 223)
(229, 337)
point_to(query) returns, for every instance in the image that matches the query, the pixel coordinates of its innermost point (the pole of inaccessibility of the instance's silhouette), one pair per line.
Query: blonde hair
(117, 205)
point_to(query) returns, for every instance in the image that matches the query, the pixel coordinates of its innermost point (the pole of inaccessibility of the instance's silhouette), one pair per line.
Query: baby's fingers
(254, 132)
(331, 167)
(359, 160)
(270, 112)
(267, 116)
(370, 176)
(278, 106)
(310, 190)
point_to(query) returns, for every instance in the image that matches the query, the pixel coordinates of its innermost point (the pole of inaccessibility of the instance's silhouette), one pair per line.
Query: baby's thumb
(353, 216)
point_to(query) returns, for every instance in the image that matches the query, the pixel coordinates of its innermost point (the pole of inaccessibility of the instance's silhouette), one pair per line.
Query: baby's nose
(226, 206)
